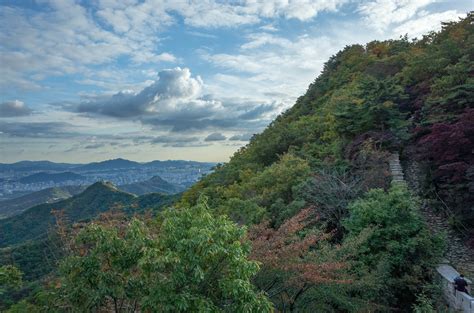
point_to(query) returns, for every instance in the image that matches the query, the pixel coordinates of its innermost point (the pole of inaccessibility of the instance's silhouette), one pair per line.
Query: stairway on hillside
(396, 169)
(457, 253)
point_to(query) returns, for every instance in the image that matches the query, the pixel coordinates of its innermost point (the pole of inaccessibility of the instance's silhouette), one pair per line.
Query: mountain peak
(101, 185)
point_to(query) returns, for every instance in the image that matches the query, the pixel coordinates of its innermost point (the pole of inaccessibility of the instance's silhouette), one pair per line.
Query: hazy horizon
(150, 80)
(81, 163)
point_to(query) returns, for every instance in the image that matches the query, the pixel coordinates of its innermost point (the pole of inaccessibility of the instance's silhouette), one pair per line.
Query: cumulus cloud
(173, 87)
(14, 108)
(215, 137)
(114, 52)
(175, 102)
(297, 9)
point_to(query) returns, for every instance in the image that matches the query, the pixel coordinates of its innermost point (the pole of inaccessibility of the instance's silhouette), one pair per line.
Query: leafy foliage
(448, 147)
(287, 255)
(10, 277)
(188, 261)
(400, 247)
(380, 92)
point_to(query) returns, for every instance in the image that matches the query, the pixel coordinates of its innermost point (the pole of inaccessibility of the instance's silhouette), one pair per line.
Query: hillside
(48, 177)
(37, 257)
(154, 184)
(413, 97)
(330, 153)
(34, 222)
(17, 205)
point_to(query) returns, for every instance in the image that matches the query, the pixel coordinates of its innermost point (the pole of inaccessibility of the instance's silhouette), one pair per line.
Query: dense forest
(304, 218)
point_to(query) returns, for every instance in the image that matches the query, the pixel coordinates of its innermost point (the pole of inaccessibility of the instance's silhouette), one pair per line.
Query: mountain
(330, 153)
(154, 184)
(415, 98)
(48, 177)
(108, 165)
(17, 205)
(34, 222)
(38, 256)
(25, 166)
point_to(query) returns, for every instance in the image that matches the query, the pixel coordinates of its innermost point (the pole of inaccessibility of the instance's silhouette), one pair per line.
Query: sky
(84, 81)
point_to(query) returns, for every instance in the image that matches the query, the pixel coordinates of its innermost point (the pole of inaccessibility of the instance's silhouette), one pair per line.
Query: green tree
(400, 250)
(10, 277)
(187, 261)
(200, 265)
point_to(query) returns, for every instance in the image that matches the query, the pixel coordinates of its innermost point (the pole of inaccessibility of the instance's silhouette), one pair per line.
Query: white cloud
(115, 52)
(425, 23)
(230, 13)
(268, 64)
(380, 14)
(298, 9)
(67, 39)
(269, 28)
(176, 102)
(173, 88)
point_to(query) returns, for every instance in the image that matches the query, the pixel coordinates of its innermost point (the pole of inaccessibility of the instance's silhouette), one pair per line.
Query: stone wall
(457, 301)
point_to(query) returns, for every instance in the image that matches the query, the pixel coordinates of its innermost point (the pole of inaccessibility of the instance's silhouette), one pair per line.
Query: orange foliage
(288, 250)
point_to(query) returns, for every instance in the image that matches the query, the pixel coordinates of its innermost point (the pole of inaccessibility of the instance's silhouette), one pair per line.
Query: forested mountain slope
(100, 197)
(17, 205)
(397, 95)
(330, 150)
(34, 222)
(30, 240)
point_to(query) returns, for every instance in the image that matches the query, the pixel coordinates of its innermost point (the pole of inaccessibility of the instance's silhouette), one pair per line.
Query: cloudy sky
(84, 81)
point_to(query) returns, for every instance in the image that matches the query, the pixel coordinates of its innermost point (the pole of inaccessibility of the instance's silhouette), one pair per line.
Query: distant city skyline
(85, 81)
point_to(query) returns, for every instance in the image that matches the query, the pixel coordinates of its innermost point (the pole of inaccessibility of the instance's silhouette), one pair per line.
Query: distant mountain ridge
(36, 165)
(109, 164)
(49, 195)
(102, 165)
(154, 184)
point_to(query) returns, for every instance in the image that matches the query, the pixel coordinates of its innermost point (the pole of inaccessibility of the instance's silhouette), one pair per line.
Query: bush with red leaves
(449, 149)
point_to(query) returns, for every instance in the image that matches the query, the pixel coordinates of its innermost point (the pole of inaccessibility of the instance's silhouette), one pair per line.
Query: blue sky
(84, 81)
